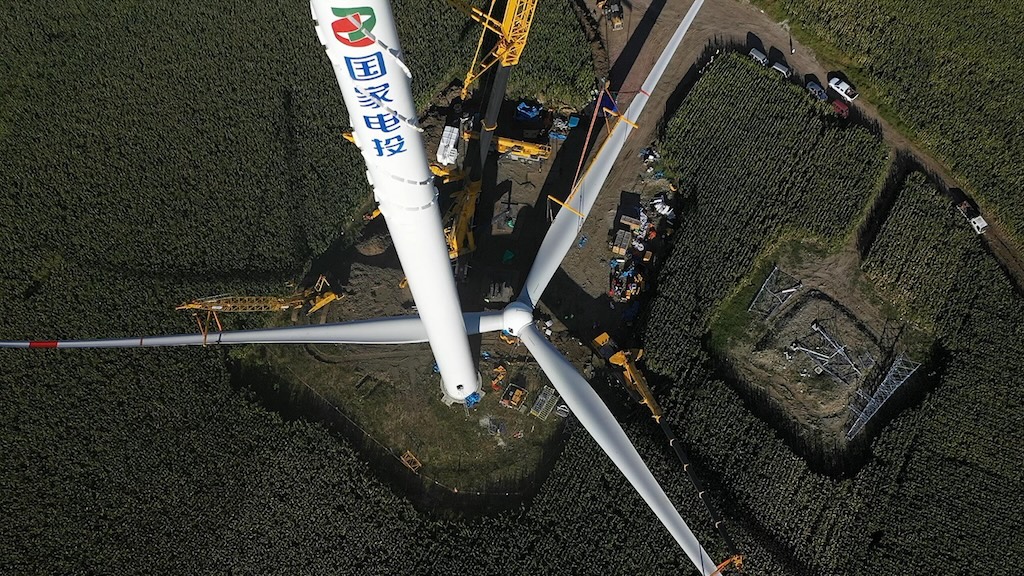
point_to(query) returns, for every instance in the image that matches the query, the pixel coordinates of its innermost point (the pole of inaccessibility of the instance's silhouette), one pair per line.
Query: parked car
(817, 91)
(759, 56)
(842, 110)
(782, 69)
(845, 91)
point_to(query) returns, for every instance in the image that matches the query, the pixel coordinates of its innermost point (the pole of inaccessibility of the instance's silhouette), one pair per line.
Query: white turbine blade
(566, 225)
(396, 330)
(598, 420)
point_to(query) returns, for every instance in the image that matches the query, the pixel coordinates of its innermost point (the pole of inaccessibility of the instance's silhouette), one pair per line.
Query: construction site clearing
(501, 168)
(393, 398)
(818, 342)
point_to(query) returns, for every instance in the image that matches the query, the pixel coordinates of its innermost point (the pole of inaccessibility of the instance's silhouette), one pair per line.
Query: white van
(782, 69)
(759, 56)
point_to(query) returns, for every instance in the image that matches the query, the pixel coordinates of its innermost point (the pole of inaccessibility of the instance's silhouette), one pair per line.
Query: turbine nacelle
(515, 317)
(362, 44)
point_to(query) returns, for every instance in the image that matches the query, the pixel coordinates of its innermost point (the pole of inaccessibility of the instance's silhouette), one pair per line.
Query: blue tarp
(526, 112)
(606, 101)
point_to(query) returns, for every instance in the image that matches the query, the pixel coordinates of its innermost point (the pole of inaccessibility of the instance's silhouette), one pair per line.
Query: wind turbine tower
(362, 44)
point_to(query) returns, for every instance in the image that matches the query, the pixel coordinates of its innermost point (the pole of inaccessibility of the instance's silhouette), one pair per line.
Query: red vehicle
(841, 109)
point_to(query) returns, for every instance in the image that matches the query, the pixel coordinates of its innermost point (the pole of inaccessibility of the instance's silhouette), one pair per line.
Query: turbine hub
(516, 316)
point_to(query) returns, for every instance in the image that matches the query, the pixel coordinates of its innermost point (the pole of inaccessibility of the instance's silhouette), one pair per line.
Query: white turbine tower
(362, 44)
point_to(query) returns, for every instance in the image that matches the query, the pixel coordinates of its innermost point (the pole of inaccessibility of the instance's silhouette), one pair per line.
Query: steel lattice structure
(777, 288)
(901, 370)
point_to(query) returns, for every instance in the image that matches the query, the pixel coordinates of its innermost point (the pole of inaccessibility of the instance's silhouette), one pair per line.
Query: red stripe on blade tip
(43, 344)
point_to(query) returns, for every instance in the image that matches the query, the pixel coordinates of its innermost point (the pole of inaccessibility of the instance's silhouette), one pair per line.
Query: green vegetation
(758, 162)
(947, 72)
(731, 319)
(153, 153)
(135, 178)
(938, 487)
(557, 66)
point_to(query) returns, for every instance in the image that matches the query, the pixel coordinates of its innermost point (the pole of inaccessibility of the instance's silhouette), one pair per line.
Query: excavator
(612, 9)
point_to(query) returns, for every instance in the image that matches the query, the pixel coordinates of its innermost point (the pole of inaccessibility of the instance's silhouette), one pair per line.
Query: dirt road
(633, 51)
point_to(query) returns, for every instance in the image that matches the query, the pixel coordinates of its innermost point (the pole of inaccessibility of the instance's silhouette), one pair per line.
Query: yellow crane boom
(639, 390)
(513, 31)
(226, 303)
(317, 297)
(631, 375)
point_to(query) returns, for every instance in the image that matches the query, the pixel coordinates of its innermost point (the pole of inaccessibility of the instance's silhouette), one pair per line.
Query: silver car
(817, 91)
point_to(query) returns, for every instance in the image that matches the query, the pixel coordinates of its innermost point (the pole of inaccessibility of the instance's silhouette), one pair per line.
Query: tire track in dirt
(726, 21)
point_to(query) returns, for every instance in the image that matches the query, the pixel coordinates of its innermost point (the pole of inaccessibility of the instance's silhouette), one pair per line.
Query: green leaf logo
(353, 26)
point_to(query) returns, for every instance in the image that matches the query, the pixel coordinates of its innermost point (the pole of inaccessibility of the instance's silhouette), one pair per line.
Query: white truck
(973, 216)
(843, 88)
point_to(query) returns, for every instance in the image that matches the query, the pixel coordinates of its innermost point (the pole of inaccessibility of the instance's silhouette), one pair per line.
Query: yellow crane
(637, 386)
(228, 303)
(512, 31)
(316, 297)
(519, 149)
(632, 377)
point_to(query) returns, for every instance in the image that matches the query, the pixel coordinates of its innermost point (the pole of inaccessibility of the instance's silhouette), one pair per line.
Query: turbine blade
(394, 330)
(567, 224)
(598, 420)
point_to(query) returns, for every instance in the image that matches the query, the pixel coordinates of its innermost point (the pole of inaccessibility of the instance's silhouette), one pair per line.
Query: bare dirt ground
(576, 300)
(816, 396)
(633, 52)
(392, 394)
(830, 296)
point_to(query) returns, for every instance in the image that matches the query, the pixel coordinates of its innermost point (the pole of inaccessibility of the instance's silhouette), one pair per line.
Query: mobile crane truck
(629, 375)
(636, 385)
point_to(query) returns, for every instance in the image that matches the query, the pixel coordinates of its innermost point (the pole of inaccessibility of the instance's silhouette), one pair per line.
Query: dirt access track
(647, 26)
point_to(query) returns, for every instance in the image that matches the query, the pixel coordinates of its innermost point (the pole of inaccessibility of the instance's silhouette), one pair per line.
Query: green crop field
(937, 488)
(946, 71)
(758, 162)
(150, 154)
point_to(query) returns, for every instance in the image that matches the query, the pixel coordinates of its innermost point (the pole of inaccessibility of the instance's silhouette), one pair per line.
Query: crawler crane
(316, 297)
(631, 376)
(512, 31)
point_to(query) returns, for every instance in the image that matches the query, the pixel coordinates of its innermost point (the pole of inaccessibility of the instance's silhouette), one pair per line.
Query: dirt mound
(374, 245)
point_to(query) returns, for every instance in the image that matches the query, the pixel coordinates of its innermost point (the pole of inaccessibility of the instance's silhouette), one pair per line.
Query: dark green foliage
(153, 153)
(557, 66)
(755, 159)
(950, 71)
(166, 141)
(939, 490)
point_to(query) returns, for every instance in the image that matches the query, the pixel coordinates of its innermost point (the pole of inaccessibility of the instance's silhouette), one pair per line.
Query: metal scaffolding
(776, 290)
(900, 371)
(828, 354)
